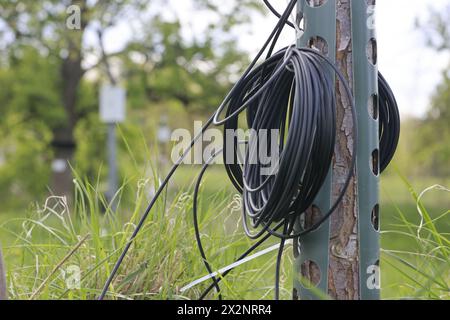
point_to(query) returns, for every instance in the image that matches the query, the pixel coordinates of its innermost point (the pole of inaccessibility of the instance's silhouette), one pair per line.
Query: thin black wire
(196, 224)
(275, 12)
(243, 256)
(247, 92)
(273, 36)
(254, 75)
(389, 121)
(292, 91)
(306, 157)
(323, 94)
(279, 259)
(212, 120)
(149, 208)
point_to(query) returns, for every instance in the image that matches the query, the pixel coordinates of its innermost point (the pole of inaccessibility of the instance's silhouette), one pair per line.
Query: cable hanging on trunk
(290, 91)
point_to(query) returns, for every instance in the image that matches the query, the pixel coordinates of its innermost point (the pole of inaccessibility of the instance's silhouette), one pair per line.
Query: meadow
(43, 245)
(51, 79)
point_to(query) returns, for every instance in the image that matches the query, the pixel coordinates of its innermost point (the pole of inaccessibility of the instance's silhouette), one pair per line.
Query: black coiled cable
(269, 112)
(389, 124)
(389, 129)
(292, 91)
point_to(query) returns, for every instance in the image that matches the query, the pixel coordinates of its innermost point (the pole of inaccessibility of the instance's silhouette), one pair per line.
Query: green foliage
(29, 104)
(23, 179)
(50, 78)
(423, 147)
(29, 88)
(425, 150)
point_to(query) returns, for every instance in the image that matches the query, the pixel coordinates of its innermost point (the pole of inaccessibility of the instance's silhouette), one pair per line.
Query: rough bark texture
(343, 280)
(3, 294)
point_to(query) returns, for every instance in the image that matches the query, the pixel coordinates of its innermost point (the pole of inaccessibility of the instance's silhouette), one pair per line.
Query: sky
(412, 69)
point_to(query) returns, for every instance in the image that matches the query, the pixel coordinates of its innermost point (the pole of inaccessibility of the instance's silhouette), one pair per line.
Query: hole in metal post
(316, 3)
(376, 218)
(319, 43)
(301, 21)
(310, 217)
(310, 273)
(372, 51)
(375, 162)
(371, 2)
(294, 294)
(373, 106)
(296, 247)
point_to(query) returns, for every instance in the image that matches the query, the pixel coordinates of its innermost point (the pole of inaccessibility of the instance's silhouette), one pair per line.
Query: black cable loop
(305, 62)
(292, 91)
(389, 132)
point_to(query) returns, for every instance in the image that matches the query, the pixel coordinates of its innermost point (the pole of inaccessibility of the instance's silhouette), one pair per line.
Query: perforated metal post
(366, 97)
(312, 251)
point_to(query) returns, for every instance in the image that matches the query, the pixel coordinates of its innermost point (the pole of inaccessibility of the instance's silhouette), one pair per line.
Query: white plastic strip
(232, 266)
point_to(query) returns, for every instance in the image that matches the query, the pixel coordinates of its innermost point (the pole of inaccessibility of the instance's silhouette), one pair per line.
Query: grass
(43, 248)
(162, 260)
(415, 260)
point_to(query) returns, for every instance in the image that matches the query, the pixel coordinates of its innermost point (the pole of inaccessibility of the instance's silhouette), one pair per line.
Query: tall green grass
(87, 234)
(422, 271)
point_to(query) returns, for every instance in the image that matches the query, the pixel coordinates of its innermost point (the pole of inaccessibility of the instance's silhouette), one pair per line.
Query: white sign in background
(112, 104)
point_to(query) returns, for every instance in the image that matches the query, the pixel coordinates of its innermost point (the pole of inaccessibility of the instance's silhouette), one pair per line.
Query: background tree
(60, 69)
(432, 155)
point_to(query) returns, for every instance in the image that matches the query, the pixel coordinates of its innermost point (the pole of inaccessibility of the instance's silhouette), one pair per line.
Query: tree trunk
(63, 136)
(64, 145)
(3, 292)
(343, 269)
(343, 280)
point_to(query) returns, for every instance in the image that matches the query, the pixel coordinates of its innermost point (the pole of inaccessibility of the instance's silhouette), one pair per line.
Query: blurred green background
(50, 77)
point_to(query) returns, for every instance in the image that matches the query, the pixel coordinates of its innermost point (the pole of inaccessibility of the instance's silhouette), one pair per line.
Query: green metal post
(366, 93)
(312, 252)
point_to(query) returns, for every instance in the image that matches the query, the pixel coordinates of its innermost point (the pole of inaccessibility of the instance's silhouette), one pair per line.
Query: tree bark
(343, 269)
(343, 279)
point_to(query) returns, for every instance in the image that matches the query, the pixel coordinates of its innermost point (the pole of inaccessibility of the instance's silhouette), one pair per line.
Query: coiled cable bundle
(389, 124)
(389, 129)
(292, 92)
